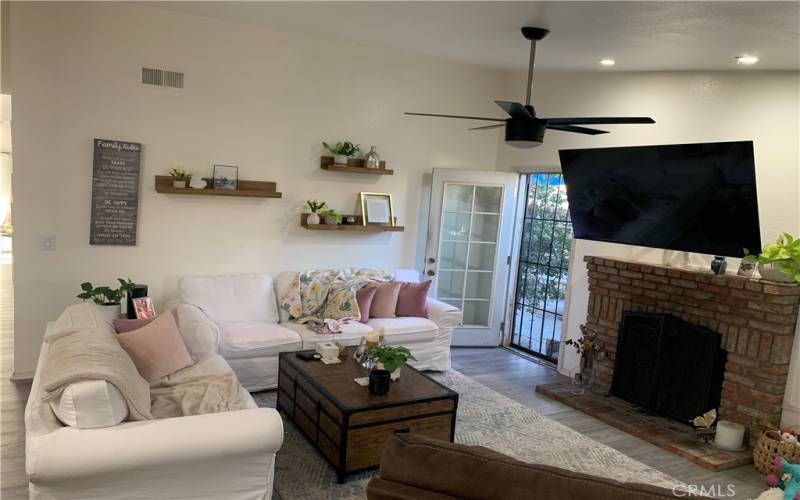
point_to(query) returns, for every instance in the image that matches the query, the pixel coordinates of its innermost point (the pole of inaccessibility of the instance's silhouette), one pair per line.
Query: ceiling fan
(526, 130)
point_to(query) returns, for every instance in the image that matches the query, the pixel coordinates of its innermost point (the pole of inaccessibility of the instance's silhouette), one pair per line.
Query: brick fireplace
(756, 320)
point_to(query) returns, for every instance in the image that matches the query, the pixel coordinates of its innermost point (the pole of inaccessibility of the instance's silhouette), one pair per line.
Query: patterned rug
(484, 418)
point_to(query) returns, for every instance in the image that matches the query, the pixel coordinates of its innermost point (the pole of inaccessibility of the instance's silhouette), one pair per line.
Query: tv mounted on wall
(688, 197)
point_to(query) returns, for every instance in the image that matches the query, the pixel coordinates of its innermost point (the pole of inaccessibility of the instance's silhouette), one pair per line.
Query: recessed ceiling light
(746, 60)
(608, 62)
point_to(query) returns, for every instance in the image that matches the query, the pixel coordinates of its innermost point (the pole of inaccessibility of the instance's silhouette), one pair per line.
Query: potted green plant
(108, 300)
(179, 177)
(315, 206)
(779, 261)
(390, 358)
(331, 217)
(341, 151)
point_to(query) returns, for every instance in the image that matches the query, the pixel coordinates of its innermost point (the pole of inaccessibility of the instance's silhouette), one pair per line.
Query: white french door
(469, 246)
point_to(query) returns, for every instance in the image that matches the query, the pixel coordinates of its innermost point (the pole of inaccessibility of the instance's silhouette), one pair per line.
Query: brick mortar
(756, 319)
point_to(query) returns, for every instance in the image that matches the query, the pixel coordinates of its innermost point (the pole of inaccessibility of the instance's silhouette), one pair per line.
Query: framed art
(376, 209)
(143, 306)
(226, 177)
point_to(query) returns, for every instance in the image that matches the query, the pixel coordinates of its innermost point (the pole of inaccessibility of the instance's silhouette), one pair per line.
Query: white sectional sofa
(243, 310)
(227, 455)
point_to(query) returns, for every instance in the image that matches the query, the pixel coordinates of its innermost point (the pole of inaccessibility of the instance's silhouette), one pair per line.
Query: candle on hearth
(730, 435)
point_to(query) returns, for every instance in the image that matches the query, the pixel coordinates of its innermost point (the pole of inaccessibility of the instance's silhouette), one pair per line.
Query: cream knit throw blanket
(94, 354)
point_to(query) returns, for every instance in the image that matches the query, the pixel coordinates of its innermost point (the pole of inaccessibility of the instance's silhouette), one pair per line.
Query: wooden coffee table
(347, 424)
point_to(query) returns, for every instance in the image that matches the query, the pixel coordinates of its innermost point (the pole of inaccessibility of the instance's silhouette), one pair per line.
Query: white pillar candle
(730, 435)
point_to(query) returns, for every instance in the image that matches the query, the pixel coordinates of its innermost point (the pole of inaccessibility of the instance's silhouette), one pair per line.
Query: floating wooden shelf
(248, 189)
(350, 227)
(354, 166)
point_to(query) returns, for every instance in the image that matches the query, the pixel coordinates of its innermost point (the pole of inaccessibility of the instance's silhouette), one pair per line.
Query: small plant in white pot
(342, 151)
(390, 358)
(331, 217)
(316, 207)
(179, 177)
(779, 261)
(108, 300)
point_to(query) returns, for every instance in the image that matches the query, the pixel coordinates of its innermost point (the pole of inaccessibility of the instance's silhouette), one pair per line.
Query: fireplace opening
(667, 365)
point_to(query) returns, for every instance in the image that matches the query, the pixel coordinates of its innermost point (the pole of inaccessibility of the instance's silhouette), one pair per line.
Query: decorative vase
(340, 159)
(372, 159)
(772, 273)
(379, 382)
(178, 184)
(109, 312)
(718, 265)
(197, 183)
(578, 387)
(312, 219)
(330, 220)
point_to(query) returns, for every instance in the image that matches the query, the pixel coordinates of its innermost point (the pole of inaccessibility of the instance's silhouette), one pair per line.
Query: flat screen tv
(688, 197)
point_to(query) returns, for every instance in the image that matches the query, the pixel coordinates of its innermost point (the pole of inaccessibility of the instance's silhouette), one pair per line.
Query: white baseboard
(22, 376)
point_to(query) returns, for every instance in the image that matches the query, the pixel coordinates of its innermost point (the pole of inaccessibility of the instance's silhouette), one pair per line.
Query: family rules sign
(115, 192)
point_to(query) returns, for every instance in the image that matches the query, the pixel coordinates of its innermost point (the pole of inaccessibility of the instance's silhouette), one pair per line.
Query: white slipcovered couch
(243, 309)
(227, 455)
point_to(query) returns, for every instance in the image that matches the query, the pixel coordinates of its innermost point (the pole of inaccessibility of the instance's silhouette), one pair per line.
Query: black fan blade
(457, 116)
(514, 109)
(487, 127)
(579, 130)
(598, 121)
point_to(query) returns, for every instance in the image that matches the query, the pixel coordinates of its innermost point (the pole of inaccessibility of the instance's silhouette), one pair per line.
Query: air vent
(162, 78)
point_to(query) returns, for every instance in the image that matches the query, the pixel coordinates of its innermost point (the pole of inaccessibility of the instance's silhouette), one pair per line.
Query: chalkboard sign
(115, 192)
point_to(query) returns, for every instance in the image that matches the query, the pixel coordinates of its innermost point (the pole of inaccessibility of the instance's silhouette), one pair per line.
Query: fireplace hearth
(668, 366)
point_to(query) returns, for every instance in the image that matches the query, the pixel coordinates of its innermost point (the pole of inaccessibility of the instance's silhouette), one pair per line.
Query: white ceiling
(641, 36)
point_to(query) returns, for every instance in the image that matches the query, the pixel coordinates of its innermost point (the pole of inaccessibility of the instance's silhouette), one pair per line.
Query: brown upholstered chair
(419, 468)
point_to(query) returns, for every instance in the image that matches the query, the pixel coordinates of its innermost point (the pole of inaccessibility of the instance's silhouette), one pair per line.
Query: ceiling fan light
(608, 62)
(745, 59)
(524, 144)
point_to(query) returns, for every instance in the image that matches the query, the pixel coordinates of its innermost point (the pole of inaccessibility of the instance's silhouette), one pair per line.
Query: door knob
(431, 260)
(431, 272)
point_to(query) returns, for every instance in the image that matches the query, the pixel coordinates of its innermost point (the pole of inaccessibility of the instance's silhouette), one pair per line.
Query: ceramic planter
(394, 375)
(330, 220)
(772, 273)
(109, 312)
(340, 159)
(312, 219)
(179, 184)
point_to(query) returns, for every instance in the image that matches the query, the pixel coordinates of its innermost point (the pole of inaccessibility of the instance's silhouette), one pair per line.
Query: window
(543, 267)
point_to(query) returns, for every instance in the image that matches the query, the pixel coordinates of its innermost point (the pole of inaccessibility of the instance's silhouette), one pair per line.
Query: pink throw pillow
(364, 298)
(128, 325)
(157, 349)
(384, 303)
(413, 299)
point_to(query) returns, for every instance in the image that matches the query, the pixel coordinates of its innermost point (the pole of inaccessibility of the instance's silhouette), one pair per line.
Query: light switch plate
(47, 242)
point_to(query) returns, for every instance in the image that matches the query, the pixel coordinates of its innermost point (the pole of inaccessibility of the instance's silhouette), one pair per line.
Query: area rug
(484, 418)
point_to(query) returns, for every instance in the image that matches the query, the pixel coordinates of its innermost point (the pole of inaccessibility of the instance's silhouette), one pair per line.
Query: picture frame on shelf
(376, 209)
(226, 177)
(143, 306)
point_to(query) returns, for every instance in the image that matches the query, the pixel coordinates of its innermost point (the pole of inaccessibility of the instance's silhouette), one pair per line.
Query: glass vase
(372, 159)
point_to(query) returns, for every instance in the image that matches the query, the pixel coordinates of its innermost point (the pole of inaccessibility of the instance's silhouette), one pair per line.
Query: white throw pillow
(90, 404)
(233, 297)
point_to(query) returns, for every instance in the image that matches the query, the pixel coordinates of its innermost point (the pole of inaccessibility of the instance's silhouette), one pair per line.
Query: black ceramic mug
(379, 382)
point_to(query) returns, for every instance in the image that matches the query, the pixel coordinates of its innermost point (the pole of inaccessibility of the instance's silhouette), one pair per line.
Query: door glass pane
(544, 263)
(488, 199)
(453, 255)
(468, 249)
(476, 313)
(481, 256)
(450, 284)
(479, 285)
(458, 198)
(484, 227)
(455, 226)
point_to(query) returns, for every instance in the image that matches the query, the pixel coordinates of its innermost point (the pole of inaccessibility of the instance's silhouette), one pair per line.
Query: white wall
(687, 107)
(259, 99)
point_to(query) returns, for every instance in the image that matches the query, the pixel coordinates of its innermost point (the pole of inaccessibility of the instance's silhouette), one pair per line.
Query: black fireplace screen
(667, 365)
